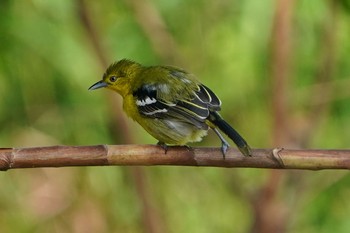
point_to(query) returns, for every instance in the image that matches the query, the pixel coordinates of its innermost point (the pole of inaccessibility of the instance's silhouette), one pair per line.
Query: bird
(169, 103)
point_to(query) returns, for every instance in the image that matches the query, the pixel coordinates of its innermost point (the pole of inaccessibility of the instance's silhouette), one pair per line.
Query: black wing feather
(194, 110)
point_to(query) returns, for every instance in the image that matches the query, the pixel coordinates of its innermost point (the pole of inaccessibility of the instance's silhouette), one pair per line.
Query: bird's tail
(242, 145)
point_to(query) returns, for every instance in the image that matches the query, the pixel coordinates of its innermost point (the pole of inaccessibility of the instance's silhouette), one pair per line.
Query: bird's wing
(193, 107)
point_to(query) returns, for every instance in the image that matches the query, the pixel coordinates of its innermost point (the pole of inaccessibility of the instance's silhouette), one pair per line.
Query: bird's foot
(224, 145)
(163, 145)
(224, 148)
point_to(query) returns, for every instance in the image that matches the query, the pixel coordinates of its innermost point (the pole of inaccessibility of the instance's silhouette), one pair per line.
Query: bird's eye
(113, 79)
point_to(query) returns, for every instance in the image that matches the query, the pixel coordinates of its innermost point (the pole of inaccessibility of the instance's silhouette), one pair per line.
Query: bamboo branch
(148, 155)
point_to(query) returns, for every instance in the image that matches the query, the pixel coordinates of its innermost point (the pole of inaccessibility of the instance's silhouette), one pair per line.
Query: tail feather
(242, 145)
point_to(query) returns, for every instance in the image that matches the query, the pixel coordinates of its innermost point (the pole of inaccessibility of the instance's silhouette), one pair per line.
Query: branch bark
(149, 155)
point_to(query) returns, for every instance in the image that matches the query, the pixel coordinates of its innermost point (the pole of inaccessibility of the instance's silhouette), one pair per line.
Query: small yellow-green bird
(169, 103)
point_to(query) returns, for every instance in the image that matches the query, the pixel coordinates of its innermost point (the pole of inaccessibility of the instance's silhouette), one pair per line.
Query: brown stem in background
(117, 120)
(270, 214)
(154, 27)
(93, 35)
(268, 204)
(150, 218)
(280, 67)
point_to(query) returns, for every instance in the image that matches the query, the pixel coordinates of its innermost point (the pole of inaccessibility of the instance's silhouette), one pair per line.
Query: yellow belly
(173, 131)
(170, 131)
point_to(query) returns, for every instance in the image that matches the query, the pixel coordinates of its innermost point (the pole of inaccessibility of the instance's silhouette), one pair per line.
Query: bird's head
(119, 76)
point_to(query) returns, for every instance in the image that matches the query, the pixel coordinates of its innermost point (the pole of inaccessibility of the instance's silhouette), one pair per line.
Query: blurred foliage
(47, 63)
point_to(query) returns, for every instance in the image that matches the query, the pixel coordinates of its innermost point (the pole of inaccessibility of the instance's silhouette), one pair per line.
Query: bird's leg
(224, 145)
(163, 145)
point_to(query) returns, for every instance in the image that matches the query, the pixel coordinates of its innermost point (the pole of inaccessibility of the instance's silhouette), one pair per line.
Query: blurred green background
(281, 68)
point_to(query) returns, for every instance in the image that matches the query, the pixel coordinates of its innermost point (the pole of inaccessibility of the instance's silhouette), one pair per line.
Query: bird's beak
(98, 85)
